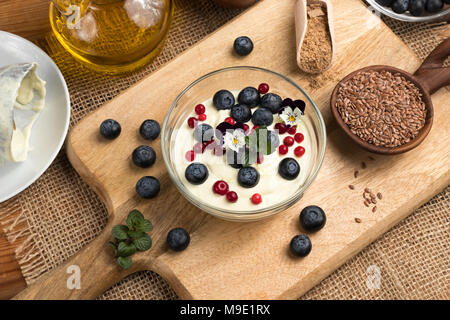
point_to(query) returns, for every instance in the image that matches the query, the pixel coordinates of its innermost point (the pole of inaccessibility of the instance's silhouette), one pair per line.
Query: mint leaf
(144, 226)
(114, 246)
(134, 218)
(135, 234)
(143, 243)
(125, 262)
(265, 141)
(125, 250)
(120, 232)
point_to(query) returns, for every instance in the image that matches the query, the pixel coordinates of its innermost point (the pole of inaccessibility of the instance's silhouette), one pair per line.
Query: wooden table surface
(28, 19)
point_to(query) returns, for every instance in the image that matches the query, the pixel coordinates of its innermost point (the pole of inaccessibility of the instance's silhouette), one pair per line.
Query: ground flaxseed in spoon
(316, 51)
(381, 108)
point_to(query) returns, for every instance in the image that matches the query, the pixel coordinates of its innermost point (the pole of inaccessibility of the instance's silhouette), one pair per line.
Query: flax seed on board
(381, 108)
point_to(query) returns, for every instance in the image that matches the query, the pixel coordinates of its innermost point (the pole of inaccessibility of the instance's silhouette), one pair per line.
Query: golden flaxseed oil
(112, 36)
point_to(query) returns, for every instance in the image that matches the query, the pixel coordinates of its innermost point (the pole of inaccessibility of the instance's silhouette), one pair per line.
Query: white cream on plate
(272, 187)
(22, 98)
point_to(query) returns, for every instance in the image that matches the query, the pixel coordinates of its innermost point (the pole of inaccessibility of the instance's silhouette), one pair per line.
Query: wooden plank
(28, 19)
(11, 279)
(230, 260)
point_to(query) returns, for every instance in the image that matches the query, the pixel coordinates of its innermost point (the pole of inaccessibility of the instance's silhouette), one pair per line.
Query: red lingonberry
(263, 88)
(232, 196)
(256, 198)
(283, 149)
(260, 158)
(299, 151)
(190, 155)
(281, 127)
(220, 187)
(288, 141)
(202, 117)
(230, 120)
(199, 147)
(292, 130)
(299, 137)
(192, 122)
(200, 109)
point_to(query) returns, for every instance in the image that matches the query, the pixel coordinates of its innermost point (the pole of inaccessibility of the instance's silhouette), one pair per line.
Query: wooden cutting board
(227, 260)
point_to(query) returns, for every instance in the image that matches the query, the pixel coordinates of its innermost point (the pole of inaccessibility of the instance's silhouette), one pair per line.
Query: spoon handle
(431, 73)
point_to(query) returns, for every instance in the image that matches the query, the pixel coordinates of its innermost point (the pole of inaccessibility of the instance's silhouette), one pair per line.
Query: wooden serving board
(227, 260)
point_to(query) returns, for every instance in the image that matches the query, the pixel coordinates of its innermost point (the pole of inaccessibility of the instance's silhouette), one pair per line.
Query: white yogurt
(272, 187)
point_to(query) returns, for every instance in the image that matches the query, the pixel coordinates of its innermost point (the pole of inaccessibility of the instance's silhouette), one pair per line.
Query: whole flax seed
(374, 209)
(379, 195)
(356, 173)
(381, 108)
(352, 187)
(363, 165)
(357, 220)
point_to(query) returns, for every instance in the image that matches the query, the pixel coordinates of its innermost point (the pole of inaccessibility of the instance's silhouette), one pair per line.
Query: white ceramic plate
(50, 129)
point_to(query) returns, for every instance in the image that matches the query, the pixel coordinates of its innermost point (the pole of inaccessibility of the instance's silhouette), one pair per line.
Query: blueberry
(178, 239)
(223, 100)
(196, 173)
(250, 97)
(235, 159)
(203, 133)
(312, 218)
(148, 187)
(417, 7)
(150, 129)
(301, 245)
(243, 46)
(386, 3)
(272, 102)
(144, 156)
(273, 141)
(434, 6)
(241, 113)
(262, 117)
(110, 129)
(289, 168)
(248, 177)
(400, 6)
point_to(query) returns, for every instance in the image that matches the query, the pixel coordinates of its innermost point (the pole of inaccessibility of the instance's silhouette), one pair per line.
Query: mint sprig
(130, 238)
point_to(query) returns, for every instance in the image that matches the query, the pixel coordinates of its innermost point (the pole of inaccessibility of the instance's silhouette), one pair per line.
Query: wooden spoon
(429, 78)
(301, 27)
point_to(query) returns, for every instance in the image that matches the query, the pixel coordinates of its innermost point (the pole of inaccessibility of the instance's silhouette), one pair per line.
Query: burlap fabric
(59, 214)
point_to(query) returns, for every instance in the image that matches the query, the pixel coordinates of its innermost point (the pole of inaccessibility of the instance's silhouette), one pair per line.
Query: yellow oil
(112, 36)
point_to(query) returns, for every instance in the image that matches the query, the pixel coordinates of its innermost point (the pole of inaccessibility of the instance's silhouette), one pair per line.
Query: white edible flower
(291, 117)
(234, 140)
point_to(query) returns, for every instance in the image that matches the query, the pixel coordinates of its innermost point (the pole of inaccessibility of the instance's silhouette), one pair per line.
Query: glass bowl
(427, 17)
(237, 78)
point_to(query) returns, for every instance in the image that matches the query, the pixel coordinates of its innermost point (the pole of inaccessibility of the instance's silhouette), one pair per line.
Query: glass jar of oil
(112, 36)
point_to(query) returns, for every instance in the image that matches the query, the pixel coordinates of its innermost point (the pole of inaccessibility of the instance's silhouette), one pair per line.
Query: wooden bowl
(430, 77)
